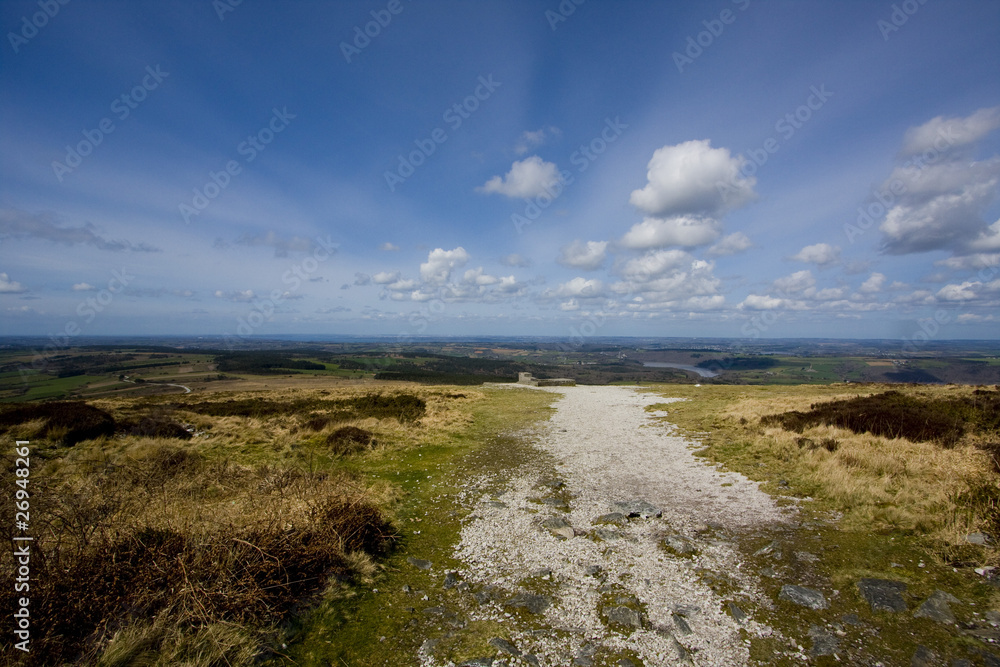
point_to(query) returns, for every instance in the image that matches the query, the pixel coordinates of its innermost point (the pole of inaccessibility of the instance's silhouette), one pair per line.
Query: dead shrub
(350, 440)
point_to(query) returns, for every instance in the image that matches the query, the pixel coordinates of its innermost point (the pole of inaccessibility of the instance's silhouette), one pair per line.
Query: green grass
(359, 626)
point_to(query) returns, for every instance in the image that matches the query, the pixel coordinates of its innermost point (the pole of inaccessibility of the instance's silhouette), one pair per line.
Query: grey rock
(613, 517)
(851, 619)
(638, 509)
(806, 557)
(479, 662)
(624, 616)
(551, 483)
(923, 657)
(554, 502)
(559, 527)
(961, 662)
(540, 572)
(591, 570)
(682, 624)
(505, 646)
(738, 614)
(497, 504)
(535, 604)
(883, 594)
(439, 611)
(608, 534)
(980, 539)
(823, 643)
(419, 564)
(583, 661)
(450, 579)
(769, 573)
(407, 589)
(679, 544)
(936, 607)
(800, 595)
(625, 662)
(993, 617)
(530, 659)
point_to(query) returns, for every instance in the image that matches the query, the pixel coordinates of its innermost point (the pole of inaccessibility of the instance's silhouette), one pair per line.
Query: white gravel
(608, 448)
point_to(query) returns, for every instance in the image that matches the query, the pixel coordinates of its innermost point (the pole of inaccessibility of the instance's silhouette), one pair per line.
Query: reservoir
(703, 372)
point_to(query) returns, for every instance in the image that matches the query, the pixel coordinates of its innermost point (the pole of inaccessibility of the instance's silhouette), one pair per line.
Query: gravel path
(606, 590)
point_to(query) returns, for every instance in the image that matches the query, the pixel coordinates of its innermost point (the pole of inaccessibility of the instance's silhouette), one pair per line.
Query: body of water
(703, 372)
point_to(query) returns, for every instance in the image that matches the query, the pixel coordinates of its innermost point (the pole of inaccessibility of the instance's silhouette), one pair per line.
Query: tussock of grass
(67, 422)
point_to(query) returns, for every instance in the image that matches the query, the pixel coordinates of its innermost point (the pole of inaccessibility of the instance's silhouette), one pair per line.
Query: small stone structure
(525, 378)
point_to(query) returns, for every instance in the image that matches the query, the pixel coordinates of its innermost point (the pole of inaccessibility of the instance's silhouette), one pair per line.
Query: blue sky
(738, 169)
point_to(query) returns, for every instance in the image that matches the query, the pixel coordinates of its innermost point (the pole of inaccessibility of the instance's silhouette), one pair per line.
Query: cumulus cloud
(874, 284)
(8, 286)
(382, 277)
(761, 302)
(685, 231)
(527, 178)
(820, 254)
(579, 288)
(440, 263)
(693, 178)
(941, 134)
(587, 256)
(966, 291)
(731, 244)
(531, 140)
(16, 224)
(654, 264)
(479, 277)
(942, 191)
(796, 282)
(83, 287)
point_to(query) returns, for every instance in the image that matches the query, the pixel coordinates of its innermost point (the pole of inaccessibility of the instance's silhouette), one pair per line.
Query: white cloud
(941, 134)
(874, 284)
(361, 279)
(8, 286)
(389, 247)
(820, 254)
(437, 269)
(83, 287)
(569, 306)
(584, 256)
(530, 140)
(829, 294)
(478, 277)
(654, 264)
(687, 231)
(527, 178)
(941, 193)
(761, 302)
(796, 282)
(579, 288)
(237, 296)
(693, 178)
(964, 292)
(385, 277)
(730, 244)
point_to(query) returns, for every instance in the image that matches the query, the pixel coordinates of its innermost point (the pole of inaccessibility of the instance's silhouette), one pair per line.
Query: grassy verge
(215, 532)
(383, 622)
(871, 506)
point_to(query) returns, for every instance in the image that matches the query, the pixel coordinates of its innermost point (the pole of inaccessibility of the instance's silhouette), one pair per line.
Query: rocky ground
(620, 547)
